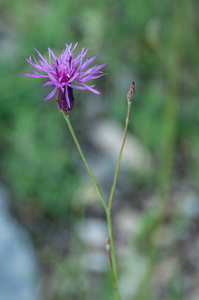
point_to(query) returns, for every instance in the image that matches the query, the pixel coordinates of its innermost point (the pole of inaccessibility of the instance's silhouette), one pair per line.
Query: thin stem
(120, 156)
(107, 210)
(112, 256)
(66, 117)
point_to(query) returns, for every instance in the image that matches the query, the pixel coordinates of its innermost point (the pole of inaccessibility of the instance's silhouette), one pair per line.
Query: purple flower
(62, 71)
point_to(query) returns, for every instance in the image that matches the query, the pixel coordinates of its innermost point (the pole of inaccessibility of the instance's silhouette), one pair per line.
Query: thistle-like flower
(62, 71)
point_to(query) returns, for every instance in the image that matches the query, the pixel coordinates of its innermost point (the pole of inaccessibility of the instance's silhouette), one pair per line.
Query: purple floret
(62, 71)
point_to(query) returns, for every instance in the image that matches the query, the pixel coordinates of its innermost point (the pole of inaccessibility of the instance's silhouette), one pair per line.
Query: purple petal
(51, 53)
(34, 65)
(74, 47)
(79, 87)
(45, 65)
(30, 75)
(39, 75)
(88, 62)
(80, 57)
(48, 83)
(83, 55)
(90, 88)
(93, 70)
(52, 78)
(92, 77)
(97, 76)
(35, 60)
(51, 94)
(67, 98)
(73, 77)
(39, 54)
(57, 84)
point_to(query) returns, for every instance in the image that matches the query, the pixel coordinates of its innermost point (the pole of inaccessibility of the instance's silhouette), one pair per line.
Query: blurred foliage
(154, 43)
(133, 37)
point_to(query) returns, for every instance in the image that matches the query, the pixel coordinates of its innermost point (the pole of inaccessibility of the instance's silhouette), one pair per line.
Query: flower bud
(64, 105)
(108, 244)
(131, 92)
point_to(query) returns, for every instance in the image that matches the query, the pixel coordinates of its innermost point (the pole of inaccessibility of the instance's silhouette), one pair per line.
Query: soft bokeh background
(156, 204)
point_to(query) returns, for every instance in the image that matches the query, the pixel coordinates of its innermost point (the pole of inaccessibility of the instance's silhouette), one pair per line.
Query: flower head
(62, 70)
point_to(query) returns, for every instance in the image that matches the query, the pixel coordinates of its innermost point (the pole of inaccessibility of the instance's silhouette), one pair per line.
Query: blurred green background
(155, 43)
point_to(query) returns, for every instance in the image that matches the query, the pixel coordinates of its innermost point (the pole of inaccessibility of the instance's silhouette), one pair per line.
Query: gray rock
(108, 135)
(93, 233)
(18, 264)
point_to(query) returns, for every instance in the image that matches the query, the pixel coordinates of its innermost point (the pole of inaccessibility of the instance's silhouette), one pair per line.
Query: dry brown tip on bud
(131, 92)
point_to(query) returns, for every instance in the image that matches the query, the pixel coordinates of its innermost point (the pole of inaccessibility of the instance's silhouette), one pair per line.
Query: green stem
(112, 255)
(107, 210)
(120, 156)
(66, 117)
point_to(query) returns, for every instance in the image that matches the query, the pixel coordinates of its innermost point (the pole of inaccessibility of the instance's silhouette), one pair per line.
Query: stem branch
(111, 251)
(66, 117)
(120, 156)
